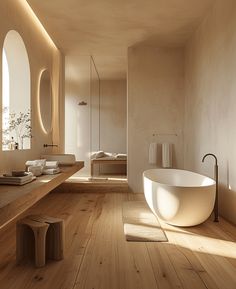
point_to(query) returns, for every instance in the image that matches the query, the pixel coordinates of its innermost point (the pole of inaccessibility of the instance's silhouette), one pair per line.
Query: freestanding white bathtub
(179, 197)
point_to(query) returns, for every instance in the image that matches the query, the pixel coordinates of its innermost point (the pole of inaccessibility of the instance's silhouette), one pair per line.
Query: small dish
(18, 173)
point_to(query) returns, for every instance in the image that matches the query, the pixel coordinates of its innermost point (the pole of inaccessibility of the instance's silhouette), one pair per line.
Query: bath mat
(140, 224)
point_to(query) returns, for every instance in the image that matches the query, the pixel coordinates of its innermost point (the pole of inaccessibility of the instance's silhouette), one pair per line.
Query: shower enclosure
(82, 110)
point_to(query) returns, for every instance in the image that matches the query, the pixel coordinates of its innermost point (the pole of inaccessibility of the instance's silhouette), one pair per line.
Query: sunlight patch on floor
(200, 243)
(100, 178)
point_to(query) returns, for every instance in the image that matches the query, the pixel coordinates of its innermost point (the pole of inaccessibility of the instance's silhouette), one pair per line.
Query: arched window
(5, 94)
(16, 120)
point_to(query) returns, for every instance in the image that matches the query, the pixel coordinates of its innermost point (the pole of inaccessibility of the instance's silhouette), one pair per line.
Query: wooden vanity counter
(14, 200)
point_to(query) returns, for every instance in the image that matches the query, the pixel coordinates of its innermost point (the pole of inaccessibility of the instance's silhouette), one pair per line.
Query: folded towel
(36, 163)
(36, 170)
(14, 178)
(17, 183)
(51, 164)
(10, 180)
(121, 156)
(109, 154)
(51, 171)
(101, 154)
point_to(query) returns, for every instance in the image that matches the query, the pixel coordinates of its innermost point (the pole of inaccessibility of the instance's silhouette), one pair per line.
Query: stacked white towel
(51, 171)
(51, 165)
(36, 163)
(39, 167)
(19, 181)
(51, 168)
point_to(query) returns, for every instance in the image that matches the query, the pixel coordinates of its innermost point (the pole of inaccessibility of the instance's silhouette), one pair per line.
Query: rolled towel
(36, 163)
(51, 164)
(51, 171)
(36, 170)
(30, 163)
(106, 154)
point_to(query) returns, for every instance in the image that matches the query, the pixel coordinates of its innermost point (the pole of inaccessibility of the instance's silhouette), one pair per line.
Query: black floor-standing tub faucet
(216, 209)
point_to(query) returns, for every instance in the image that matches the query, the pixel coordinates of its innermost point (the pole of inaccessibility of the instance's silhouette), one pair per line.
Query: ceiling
(106, 28)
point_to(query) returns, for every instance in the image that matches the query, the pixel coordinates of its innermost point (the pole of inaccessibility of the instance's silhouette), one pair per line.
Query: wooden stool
(47, 239)
(55, 238)
(25, 242)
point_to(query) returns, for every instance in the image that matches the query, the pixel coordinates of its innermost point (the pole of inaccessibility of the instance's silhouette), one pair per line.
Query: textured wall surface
(15, 15)
(113, 116)
(155, 105)
(113, 120)
(78, 28)
(210, 122)
(77, 118)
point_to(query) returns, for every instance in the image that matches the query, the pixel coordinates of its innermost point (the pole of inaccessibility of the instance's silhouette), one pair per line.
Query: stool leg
(40, 246)
(92, 169)
(19, 243)
(59, 241)
(55, 241)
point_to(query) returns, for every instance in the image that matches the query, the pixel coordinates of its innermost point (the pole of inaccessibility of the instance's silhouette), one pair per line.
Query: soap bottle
(12, 143)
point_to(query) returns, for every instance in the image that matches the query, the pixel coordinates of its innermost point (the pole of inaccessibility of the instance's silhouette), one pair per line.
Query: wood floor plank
(97, 256)
(164, 271)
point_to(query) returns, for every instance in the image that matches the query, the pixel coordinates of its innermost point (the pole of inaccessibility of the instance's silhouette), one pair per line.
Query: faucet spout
(210, 154)
(216, 209)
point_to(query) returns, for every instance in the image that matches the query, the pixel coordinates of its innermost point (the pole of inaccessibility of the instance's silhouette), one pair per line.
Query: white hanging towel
(153, 153)
(166, 155)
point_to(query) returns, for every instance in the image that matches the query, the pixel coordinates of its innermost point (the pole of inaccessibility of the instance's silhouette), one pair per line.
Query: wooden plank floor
(98, 257)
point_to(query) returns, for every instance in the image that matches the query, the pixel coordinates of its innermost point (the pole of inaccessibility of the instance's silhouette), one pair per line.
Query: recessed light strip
(36, 20)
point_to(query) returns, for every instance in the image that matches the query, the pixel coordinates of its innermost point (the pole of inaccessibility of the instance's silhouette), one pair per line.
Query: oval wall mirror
(45, 101)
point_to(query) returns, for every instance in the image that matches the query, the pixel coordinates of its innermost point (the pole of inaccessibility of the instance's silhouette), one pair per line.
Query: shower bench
(14, 200)
(107, 161)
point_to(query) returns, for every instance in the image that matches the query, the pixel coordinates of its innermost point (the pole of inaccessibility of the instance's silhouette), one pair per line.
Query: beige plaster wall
(210, 122)
(77, 117)
(81, 121)
(14, 15)
(155, 106)
(113, 120)
(93, 126)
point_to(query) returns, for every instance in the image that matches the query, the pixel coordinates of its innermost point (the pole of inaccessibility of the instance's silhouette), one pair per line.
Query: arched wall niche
(16, 93)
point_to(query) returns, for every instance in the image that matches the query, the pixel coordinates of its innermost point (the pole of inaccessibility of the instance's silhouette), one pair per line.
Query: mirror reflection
(45, 101)
(16, 113)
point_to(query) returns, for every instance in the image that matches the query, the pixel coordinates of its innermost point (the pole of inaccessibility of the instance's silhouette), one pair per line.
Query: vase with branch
(19, 125)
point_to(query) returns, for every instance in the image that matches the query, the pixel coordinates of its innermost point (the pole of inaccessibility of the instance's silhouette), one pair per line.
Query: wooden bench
(106, 161)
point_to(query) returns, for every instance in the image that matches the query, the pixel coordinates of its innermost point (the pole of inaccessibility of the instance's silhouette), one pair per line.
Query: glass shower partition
(94, 108)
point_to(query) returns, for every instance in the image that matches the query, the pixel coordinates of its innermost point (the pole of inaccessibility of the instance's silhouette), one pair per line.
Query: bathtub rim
(175, 186)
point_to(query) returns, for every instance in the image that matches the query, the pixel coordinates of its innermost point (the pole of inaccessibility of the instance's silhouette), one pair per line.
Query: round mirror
(45, 101)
